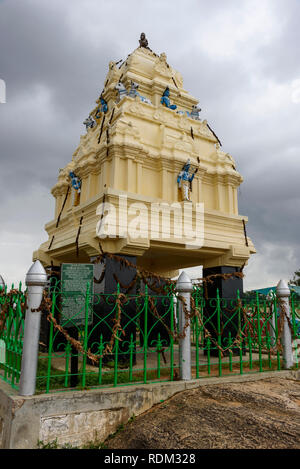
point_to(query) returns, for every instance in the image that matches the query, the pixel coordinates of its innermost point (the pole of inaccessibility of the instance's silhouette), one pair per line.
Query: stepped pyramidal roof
(144, 129)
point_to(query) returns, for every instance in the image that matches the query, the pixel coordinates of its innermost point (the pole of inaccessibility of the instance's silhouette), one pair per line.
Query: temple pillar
(58, 204)
(130, 176)
(94, 185)
(114, 179)
(159, 314)
(164, 184)
(85, 187)
(105, 310)
(229, 188)
(103, 174)
(228, 290)
(139, 177)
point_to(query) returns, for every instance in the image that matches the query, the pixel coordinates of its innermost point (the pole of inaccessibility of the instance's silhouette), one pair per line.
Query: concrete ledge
(79, 417)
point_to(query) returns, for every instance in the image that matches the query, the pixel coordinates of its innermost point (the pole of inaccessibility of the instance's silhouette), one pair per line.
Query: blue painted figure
(195, 113)
(184, 181)
(133, 92)
(76, 183)
(102, 108)
(165, 101)
(122, 92)
(89, 123)
(184, 113)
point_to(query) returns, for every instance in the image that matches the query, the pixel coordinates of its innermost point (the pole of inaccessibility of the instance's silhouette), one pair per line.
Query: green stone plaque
(74, 280)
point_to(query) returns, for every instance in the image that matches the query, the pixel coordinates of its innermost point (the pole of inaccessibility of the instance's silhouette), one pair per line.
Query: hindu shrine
(147, 156)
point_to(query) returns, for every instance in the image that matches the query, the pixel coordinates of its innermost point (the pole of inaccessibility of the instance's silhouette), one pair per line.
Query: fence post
(175, 312)
(273, 317)
(283, 293)
(36, 280)
(184, 287)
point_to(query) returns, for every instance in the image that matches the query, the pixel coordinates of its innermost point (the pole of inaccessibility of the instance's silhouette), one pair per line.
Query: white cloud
(270, 264)
(239, 30)
(295, 94)
(227, 53)
(23, 231)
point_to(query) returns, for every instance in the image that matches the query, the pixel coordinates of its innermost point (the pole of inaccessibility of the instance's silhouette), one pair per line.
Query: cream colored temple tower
(130, 159)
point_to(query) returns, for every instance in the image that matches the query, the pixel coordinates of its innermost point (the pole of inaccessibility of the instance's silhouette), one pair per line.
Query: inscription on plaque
(74, 280)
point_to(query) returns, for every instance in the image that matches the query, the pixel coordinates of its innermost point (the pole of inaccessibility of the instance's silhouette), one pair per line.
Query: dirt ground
(262, 414)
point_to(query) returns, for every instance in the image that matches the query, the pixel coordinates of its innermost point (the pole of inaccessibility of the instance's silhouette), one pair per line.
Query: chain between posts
(47, 303)
(46, 306)
(117, 328)
(145, 275)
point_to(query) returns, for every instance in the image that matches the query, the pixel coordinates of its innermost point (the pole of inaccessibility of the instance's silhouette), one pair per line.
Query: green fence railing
(116, 340)
(11, 334)
(295, 322)
(235, 336)
(124, 341)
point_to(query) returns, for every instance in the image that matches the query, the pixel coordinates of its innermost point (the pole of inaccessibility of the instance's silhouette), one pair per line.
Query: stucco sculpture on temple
(185, 179)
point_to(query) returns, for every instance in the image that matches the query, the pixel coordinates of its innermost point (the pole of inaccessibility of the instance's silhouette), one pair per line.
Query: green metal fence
(11, 334)
(295, 325)
(120, 337)
(115, 340)
(235, 336)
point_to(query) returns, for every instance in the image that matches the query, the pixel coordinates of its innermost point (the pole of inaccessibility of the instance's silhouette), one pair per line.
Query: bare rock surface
(262, 414)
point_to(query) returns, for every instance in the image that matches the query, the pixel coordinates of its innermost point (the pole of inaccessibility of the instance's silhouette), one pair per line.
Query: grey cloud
(54, 63)
(280, 59)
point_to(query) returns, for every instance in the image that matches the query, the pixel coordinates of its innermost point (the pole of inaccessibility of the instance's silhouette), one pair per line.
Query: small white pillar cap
(270, 295)
(36, 275)
(184, 283)
(282, 288)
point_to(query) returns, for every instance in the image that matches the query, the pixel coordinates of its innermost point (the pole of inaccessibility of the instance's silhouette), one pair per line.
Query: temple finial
(143, 41)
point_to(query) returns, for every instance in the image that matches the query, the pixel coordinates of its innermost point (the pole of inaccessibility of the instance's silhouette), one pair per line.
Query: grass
(58, 382)
(57, 377)
(53, 445)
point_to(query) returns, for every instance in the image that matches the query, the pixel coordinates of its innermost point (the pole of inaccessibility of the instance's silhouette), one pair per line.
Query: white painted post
(273, 314)
(36, 280)
(283, 293)
(184, 287)
(175, 311)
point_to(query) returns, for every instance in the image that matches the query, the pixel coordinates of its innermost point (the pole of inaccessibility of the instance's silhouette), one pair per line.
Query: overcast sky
(239, 58)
